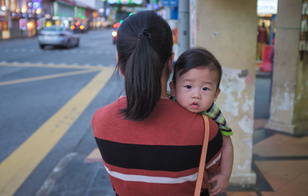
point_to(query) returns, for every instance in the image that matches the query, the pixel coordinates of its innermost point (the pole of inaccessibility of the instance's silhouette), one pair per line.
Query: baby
(195, 86)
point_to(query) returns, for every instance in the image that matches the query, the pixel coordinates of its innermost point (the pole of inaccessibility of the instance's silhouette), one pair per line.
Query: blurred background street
(57, 60)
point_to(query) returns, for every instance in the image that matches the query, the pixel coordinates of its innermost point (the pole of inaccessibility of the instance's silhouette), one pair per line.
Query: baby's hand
(222, 183)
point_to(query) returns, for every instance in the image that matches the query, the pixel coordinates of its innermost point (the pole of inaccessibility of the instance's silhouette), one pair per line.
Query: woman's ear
(170, 62)
(172, 89)
(118, 64)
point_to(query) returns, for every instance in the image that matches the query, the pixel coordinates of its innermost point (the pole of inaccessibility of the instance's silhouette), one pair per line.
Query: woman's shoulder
(175, 113)
(108, 111)
(174, 108)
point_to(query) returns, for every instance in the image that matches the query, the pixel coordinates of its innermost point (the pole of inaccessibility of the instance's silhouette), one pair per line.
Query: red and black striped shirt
(157, 156)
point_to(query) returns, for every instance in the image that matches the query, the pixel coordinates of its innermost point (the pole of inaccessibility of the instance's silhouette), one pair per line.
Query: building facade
(24, 18)
(289, 106)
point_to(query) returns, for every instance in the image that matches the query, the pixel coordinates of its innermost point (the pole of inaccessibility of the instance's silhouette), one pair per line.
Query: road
(48, 98)
(96, 49)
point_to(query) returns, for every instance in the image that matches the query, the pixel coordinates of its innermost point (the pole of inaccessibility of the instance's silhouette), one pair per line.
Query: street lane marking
(19, 165)
(54, 175)
(94, 156)
(46, 77)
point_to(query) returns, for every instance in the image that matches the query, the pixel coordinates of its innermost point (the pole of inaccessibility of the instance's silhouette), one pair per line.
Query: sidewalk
(280, 162)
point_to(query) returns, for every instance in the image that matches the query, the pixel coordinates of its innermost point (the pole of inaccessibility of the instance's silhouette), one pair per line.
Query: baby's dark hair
(144, 44)
(196, 58)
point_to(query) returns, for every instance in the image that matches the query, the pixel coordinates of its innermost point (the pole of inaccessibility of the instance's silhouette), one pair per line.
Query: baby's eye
(205, 88)
(188, 86)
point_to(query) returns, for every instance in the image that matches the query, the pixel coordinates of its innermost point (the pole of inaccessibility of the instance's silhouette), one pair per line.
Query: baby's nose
(196, 95)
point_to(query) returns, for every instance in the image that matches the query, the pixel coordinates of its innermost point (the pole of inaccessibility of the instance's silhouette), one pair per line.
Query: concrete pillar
(289, 106)
(183, 26)
(228, 28)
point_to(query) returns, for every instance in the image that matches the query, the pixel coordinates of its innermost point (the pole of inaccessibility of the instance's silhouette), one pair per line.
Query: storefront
(20, 18)
(66, 13)
(266, 10)
(62, 13)
(4, 20)
(304, 29)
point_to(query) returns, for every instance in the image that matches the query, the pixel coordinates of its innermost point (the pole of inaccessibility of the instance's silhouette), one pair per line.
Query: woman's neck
(164, 81)
(164, 94)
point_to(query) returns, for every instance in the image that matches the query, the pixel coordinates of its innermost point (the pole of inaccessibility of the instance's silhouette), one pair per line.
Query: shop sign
(267, 6)
(31, 16)
(22, 24)
(16, 15)
(165, 2)
(125, 2)
(95, 15)
(36, 4)
(56, 17)
(170, 3)
(303, 44)
(38, 25)
(137, 1)
(47, 16)
(29, 4)
(113, 1)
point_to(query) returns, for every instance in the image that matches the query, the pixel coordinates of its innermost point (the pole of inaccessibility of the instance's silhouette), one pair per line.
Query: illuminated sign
(125, 2)
(267, 6)
(170, 3)
(36, 4)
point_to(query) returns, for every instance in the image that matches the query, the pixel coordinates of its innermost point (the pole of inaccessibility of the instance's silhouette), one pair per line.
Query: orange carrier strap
(202, 175)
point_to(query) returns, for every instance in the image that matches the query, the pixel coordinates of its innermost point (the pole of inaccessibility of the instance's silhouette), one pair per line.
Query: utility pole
(9, 6)
(152, 4)
(75, 10)
(183, 25)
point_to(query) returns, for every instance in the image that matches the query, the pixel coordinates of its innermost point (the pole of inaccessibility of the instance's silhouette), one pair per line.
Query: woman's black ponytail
(144, 45)
(142, 81)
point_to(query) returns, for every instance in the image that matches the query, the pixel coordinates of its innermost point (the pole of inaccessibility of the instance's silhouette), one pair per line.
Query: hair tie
(144, 32)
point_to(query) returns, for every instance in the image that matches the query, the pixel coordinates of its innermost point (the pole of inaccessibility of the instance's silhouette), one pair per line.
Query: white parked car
(58, 36)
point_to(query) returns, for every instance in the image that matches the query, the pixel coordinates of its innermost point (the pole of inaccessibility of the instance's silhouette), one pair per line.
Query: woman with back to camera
(150, 145)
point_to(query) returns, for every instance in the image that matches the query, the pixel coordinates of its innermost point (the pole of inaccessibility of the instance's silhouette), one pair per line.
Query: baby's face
(196, 89)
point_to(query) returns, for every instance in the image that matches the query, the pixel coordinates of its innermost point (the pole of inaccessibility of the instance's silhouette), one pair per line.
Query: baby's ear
(217, 93)
(172, 89)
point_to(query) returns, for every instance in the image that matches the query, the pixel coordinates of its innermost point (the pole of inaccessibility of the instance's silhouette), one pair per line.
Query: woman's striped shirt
(157, 156)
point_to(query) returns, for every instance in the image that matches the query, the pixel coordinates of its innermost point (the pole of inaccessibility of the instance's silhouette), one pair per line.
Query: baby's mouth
(194, 105)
